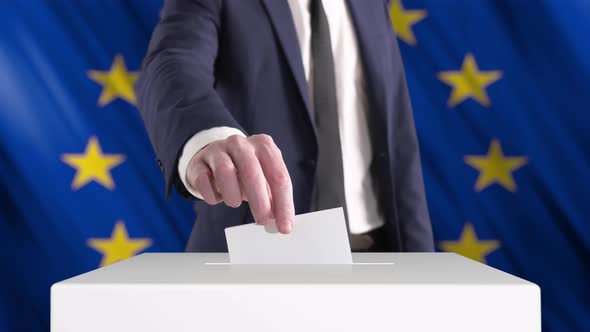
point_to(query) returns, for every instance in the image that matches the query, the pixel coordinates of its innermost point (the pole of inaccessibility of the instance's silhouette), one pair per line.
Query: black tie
(330, 178)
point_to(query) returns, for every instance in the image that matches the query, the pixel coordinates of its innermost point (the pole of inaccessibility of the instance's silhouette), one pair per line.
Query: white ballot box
(405, 292)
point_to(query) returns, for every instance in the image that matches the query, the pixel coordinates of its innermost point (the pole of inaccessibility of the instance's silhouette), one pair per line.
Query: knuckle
(280, 180)
(267, 150)
(225, 168)
(235, 140)
(264, 140)
(238, 145)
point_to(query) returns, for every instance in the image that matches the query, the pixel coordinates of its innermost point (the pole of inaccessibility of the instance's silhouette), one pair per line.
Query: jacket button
(308, 163)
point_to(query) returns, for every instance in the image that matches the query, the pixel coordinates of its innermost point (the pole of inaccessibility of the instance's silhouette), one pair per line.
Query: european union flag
(500, 95)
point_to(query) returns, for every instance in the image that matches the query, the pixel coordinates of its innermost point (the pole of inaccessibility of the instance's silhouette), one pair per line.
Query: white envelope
(317, 238)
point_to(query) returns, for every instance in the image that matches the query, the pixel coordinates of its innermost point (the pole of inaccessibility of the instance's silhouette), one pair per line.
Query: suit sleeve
(409, 190)
(175, 91)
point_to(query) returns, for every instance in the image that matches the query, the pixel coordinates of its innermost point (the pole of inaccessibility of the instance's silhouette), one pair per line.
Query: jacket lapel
(284, 27)
(366, 15)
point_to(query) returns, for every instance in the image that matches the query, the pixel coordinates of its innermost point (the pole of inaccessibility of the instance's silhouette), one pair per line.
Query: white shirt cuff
(195, 144)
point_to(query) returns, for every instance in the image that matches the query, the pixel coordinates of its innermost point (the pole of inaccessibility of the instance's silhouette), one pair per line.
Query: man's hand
(245, 168)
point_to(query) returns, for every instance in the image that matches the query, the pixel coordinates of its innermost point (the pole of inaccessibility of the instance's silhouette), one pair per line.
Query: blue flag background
(501, 94)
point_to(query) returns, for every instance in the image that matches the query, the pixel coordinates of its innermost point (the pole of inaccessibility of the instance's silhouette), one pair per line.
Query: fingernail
(288, 227)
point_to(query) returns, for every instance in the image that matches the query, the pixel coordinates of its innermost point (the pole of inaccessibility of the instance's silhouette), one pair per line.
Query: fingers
(250, 169)
(253, 183)
(204, 183)
(279, 182)
(226, 178)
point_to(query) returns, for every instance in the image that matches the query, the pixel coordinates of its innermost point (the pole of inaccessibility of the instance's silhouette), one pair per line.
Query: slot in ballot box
(407, 292)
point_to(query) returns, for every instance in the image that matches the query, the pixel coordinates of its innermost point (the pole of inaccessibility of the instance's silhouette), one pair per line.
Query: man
(266, 108)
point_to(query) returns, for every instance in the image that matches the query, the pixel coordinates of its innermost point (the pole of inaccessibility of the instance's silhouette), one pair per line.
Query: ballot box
(182, 292)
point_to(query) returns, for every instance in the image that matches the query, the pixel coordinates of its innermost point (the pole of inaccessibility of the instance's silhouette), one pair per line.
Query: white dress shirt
(357, 152)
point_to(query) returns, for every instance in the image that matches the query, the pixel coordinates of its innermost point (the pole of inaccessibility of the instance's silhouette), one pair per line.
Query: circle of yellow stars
(469, 82)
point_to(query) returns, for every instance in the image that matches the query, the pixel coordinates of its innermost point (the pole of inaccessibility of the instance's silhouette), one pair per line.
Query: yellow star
(116, 83)
(119, 246)
(403, 20)
(470, 246)
(469, 82)
(495, 168)
(93, 165)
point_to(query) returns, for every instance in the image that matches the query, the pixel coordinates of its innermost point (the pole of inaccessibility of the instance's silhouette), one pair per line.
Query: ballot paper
(317, 238)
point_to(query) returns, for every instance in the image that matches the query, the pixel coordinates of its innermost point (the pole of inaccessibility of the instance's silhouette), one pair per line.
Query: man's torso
(260, 75)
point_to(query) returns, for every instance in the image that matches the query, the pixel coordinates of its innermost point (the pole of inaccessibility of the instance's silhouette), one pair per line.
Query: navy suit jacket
(237, 63)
